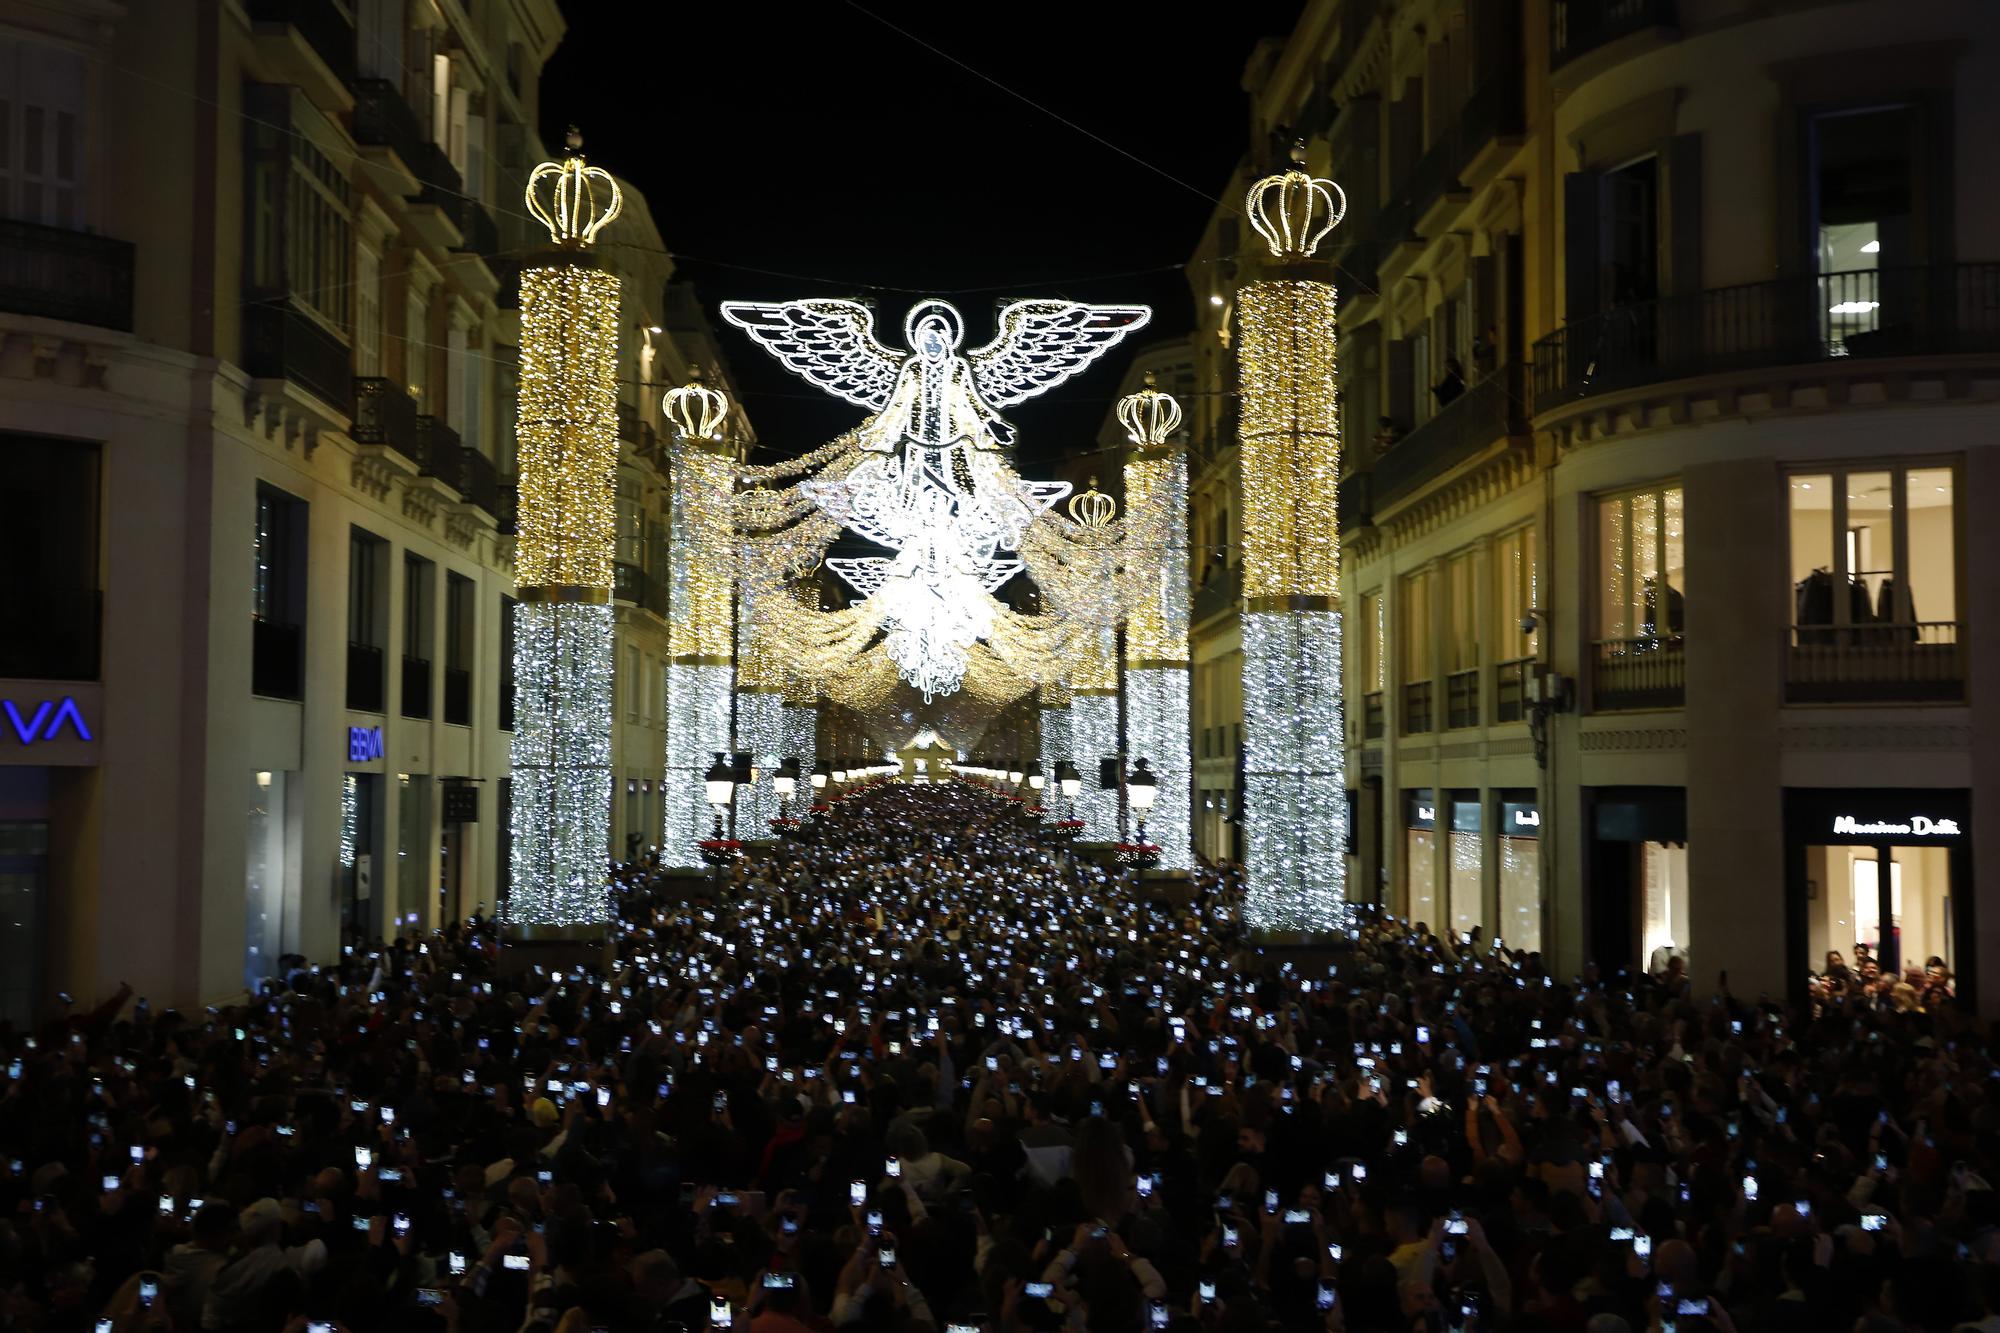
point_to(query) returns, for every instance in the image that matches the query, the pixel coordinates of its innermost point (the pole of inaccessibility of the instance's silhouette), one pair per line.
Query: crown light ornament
(1093, 510)
(1293, 210)
(1294, 766)
(931, 482)
(697, 410)
(574, 212)
(1149, 416)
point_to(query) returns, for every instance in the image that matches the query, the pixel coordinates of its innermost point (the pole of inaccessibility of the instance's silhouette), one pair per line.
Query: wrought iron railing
(1461, 699)
(1918, 661)
(1489, 411)
(481, 236)
(1577, 27)
(324, 25)
(438, 182)
(384, 413)
(1646, 672)
(282, 342)
(50, 633)
(416, 686)
(437, 449)
(1510, 689)
(473, 475)
(1906, 311)
(56, 273)
(366, 683)
(382, 118)
(1417, 717)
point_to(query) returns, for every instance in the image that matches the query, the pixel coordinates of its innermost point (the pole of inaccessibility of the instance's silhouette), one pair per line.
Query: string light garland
(1295, 798)
(567, 446)
(1058, 745)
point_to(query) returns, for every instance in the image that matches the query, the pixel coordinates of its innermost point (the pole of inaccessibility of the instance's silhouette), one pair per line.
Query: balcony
(506, 718)
(276, 660)
(1461, 700)
(1647, 672)
(385, 415)
(1482, 416)
(474, 477)
(506, 502)
(440, 200)
(437, 449)
(1417, 718)
(1919, 662)
(458, 696)
(1934, 310)
(382, 119)
(1510, 689)
(1222, 592)
(1355, 504)
(319, 24)
(416, 687)
(633, 584)
(366, 680)
(55, 273)
(482, 237)
(1373, 716)
(51, 633)
(280, 341)
(1578, 27)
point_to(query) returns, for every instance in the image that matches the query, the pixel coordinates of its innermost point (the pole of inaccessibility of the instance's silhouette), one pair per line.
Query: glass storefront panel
(264, 880)
(1520, 851)
(1467, 863)
(1420, 865)
(24, 883)
(1665, 890)
(413, 853)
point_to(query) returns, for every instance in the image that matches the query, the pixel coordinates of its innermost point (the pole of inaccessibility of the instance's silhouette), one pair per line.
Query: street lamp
(1141, 787)
(786, 781)
(1072, 783)
(720, 782)
(819, 777)
(1035, 778)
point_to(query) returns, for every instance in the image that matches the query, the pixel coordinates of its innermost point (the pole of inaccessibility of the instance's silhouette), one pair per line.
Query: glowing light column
(1057, 748)
(567, 443)
(760, 726)
(1093, 732)
(701, 637)
(1295, 785)
(800, 725)
(1156, 622)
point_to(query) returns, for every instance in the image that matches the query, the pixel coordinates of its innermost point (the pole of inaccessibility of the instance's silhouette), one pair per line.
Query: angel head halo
(1294, 210)
(573, 214)
(936, 323)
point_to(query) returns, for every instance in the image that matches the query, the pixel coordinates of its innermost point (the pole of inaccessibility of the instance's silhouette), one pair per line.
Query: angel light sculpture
(934, 486)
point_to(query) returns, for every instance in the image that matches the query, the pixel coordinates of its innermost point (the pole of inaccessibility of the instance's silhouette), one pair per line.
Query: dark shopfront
(1636, 892)
(1885, 869)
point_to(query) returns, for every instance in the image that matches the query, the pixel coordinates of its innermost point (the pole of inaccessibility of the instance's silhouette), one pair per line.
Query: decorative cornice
(1457, 498)
(1636, 738)
(1875, 736)
(371, 476)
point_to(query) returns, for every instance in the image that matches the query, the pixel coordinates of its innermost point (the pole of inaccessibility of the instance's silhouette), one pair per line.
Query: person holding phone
(237, 1291)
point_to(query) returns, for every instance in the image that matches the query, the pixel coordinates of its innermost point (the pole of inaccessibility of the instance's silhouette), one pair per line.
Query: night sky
(817, 143)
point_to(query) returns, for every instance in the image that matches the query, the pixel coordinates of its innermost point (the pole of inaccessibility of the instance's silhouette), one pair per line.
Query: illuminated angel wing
(1043, 343)
(831, 343)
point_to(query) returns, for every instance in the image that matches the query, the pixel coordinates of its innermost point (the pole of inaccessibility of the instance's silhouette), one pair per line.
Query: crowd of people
(921, 1069)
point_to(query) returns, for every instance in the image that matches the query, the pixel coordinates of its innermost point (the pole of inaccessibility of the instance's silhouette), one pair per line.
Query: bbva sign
(47, 721)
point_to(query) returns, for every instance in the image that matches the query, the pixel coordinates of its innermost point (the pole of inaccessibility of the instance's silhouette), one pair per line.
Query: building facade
(256, 388)
(1670, 379)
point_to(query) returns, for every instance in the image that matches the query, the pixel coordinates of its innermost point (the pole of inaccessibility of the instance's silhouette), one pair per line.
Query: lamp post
(786, 781)
(1141, 786)
(719, 784)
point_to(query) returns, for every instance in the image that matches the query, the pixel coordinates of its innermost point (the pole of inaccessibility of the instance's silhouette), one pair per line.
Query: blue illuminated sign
(364, 744)
(46, 722)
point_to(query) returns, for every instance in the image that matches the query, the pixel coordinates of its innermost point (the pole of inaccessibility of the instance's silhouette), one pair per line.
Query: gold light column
(1156, 623)
(701, 632)
(567, 446)
(1294, 768)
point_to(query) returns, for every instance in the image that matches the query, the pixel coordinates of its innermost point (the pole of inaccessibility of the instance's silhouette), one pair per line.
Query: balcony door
(42, 117)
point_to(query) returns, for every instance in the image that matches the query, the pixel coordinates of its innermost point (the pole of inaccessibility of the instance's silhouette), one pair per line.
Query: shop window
(1420, 863)
(1641, 612)
(264, 879)
(1874, 592)
(1520, 848)
(1466, 879)
(1514, 597)
(24, 891)
(1664, 890)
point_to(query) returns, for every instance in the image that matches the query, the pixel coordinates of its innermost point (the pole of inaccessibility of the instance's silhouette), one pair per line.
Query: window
(1420, 861)
(367, 619)
(378, 31)
(278, 595)
(1640, 565)
(1373, 679)
(49, 534)
(419, 590)
(1514, 596)
(631, 522)
(1632, 231)
(454, 376)
(1863, 205)
(416, 344)
(301, 219)
(631, 674)
(367, 312)
(1465, 877)
(459, 632)
(41, 134)
(1462, 646)
(1415, 644)
(1874, 584)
